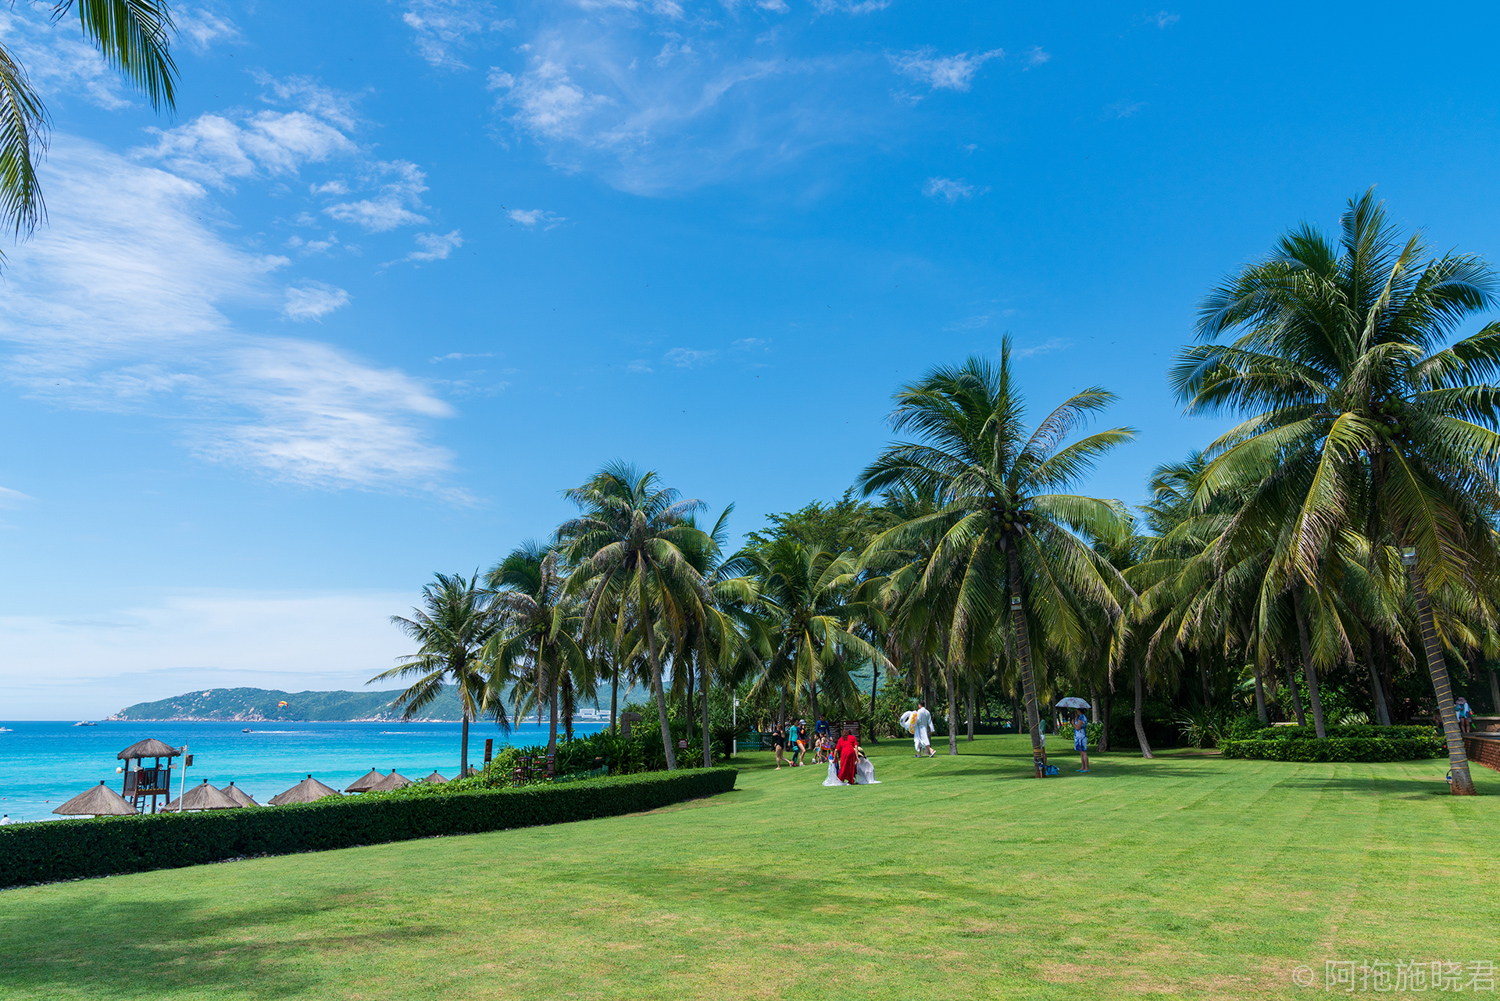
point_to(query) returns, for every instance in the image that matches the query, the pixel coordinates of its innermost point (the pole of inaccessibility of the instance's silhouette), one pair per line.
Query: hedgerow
(106, 846)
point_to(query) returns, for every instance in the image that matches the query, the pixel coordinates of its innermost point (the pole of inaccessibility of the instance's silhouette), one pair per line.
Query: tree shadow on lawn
(132, 948)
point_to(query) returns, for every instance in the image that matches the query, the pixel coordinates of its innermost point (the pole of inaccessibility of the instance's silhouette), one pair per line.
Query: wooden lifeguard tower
(144, 781)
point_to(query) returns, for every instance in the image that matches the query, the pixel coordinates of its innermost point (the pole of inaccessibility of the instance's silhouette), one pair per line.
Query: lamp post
(1460, 782)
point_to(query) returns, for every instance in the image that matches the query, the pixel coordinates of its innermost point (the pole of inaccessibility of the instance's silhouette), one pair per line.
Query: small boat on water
(85, 722)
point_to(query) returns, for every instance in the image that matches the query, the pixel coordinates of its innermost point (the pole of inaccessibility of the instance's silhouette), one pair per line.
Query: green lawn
(962, 877)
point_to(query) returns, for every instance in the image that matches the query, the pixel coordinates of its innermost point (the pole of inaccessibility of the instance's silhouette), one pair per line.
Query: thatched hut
(309, 790)
(203, 797)
(395, 780)
(434, 778)
(365, 782)
(239, 795)
(100, 801)
(142, 781)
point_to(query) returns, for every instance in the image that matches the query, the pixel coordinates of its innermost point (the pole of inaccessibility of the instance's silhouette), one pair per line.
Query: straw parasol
(395, 780)
(148, 748)
(239, 795)
(309, 790)
(365, 782)
(434, 778)
(204, 797)
(99, 801)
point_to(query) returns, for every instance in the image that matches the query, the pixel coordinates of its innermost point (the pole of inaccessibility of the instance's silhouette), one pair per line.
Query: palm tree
(451, 628)
(629, 549)
(538, 625)
(1001, 521)
(133, 36)
(1360, 419)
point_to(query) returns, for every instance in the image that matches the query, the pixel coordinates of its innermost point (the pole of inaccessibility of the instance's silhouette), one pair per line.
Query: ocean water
(44, 764)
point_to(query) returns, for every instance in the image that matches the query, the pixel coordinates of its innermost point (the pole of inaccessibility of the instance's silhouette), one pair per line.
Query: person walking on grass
(921, 731)
(1081, 738)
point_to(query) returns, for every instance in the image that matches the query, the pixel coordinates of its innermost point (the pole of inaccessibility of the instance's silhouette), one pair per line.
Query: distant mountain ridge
(261, 705)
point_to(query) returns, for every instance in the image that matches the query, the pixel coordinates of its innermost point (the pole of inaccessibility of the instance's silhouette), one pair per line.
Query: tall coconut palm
(451, 629)
(133, 36)
(628, 546)
(1361, 416)
(1018, 540)
(538, 628)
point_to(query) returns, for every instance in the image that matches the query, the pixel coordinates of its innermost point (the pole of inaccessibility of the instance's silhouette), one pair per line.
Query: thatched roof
(394, 780)
(100, 801)
(434, 778)
(365, 782)
(204, 797)
(239, 795)
(148, 748)
(309, 790)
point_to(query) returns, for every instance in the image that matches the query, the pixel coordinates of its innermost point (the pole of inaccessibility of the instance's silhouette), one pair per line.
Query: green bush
(106, 846)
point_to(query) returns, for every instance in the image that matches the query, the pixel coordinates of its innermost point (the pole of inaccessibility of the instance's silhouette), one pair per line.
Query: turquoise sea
(42, 764)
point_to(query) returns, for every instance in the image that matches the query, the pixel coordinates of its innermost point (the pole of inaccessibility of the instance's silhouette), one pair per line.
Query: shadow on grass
(105, 948)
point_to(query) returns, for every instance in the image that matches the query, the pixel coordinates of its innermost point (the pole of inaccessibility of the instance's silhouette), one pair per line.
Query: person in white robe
(921, 730)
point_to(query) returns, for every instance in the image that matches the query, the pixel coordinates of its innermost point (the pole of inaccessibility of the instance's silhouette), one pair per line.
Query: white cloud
(943, 72)
(443, 26)
(688, 358)
(66, 667)
(530, 218)
(1046, 347)
(951, 189)
(116, 307)
(313, 301)
(393, 206)
(434, 246)
(200, 27)
(1162, 19)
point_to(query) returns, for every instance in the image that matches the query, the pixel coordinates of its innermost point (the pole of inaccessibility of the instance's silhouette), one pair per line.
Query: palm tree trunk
(1140, 724)
(952, 710)
(971, 705)
(708, 754)
(1311, 672)
(1382, 711)
(1023, 653)
(1260, 693)
(1462, 783)
(661, 695)
(1291, 684)
(463, 754)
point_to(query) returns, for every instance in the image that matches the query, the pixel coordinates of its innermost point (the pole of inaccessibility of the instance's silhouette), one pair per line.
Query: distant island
(263, 705)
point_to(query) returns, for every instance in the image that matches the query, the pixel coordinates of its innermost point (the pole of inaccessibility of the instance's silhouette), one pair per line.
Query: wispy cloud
(313, 301)
(688, 358)
(443, 28)
(951, 189)
(942, 72)
(1046, 347)
(116, 307)
(531, 218)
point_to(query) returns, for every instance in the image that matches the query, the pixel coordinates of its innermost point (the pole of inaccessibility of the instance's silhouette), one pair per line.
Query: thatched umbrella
(365, 782)
(99, 801)
(394, 780)
(204, 797)
(309, 790)
(239, 795)
(148, 748)
(434, 778)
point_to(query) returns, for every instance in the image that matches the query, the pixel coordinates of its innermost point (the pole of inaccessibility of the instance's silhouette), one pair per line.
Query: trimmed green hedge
(107, 846)
(1344, 743)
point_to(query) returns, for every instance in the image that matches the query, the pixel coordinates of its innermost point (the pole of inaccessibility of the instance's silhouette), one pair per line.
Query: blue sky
(396, 274)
